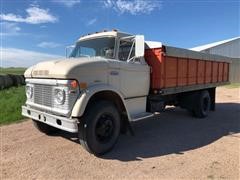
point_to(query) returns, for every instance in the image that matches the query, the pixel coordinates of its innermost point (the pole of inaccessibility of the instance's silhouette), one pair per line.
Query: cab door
(114, 73)
(134, 79)
(134, 72)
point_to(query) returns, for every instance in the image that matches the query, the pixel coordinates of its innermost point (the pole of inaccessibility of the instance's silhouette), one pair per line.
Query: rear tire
(203, 103)
(99, 128)
(44, 128)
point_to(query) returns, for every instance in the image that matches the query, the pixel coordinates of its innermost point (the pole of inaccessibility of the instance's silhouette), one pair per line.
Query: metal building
(229, 48)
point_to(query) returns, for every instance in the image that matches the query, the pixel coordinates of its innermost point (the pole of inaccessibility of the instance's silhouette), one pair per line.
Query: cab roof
(113, 33)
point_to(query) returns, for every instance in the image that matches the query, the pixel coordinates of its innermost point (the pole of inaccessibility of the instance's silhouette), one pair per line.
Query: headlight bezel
(59, 95)
(29, 91)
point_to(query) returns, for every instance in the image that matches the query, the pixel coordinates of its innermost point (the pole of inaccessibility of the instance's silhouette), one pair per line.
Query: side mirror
(139, 46)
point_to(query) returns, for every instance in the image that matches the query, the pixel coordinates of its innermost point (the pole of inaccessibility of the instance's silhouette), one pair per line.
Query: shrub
(8, 81)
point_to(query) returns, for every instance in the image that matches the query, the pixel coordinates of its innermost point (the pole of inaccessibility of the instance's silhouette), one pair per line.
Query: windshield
(94, 47)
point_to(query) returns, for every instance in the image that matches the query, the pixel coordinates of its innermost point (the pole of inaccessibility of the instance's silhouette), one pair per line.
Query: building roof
(211, 45)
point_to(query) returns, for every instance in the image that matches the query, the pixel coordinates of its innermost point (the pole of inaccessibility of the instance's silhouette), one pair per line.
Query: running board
(141, 116)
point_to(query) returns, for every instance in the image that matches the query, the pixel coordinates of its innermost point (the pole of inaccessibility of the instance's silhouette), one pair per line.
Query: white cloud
(35, 15)
(9, 29)
(133, 7)
(92, 21)
(48, 45)
(12, 57)
(67, 3)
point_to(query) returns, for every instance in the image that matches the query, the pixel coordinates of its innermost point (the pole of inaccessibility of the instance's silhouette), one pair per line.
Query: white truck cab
(96, 91)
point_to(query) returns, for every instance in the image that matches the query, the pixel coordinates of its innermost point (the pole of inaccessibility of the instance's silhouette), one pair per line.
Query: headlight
(59, 96)
(29, 91)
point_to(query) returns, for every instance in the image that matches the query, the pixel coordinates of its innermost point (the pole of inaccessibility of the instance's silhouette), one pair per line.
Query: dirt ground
(173, 145)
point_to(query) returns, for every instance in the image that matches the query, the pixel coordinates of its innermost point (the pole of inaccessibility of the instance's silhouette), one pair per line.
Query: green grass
(11, 101)
(12, 70)
(233, 85)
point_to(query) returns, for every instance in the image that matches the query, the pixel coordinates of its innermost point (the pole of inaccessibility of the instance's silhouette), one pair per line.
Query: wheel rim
(205, 104)
(104, 128)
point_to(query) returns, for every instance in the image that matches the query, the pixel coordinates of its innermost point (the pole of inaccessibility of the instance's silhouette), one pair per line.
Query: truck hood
(66, 68)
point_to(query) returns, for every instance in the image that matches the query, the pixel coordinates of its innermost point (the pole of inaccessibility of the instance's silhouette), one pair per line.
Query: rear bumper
(59, 122)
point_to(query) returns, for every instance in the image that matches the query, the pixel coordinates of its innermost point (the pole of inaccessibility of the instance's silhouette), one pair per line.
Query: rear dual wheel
(202, 106)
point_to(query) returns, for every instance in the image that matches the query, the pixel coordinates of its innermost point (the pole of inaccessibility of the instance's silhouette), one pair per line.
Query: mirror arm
(131, 50)
(131, 59)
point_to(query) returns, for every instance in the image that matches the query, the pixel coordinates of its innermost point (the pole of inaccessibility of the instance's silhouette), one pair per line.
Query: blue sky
(32, 31)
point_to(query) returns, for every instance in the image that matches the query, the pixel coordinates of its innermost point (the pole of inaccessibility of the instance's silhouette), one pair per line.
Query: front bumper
(59, 122)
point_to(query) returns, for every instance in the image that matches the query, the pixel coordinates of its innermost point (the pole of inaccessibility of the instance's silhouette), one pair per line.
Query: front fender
(85, 96)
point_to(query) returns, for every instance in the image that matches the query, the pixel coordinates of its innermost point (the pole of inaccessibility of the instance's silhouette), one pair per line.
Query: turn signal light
(83, 85)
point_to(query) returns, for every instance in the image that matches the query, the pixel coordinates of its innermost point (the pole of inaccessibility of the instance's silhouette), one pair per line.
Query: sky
(34, 31)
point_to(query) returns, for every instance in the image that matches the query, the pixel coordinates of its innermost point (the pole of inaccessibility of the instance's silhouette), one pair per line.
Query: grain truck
(111, 79)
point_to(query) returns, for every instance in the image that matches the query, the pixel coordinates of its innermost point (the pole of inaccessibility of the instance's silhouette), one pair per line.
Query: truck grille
(43, 94)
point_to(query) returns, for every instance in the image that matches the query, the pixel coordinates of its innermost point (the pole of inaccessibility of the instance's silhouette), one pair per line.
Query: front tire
(44, 128)
(99, 128)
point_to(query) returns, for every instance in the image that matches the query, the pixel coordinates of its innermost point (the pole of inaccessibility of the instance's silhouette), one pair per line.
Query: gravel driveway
(172, 145)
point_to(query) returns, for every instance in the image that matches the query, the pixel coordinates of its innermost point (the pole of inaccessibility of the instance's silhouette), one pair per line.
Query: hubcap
(104, 128)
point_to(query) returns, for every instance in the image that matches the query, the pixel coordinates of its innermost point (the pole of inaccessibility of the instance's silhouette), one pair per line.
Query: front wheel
(99, 128)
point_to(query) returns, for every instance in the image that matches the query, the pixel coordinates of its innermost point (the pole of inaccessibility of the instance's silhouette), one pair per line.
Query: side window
(126, 50)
